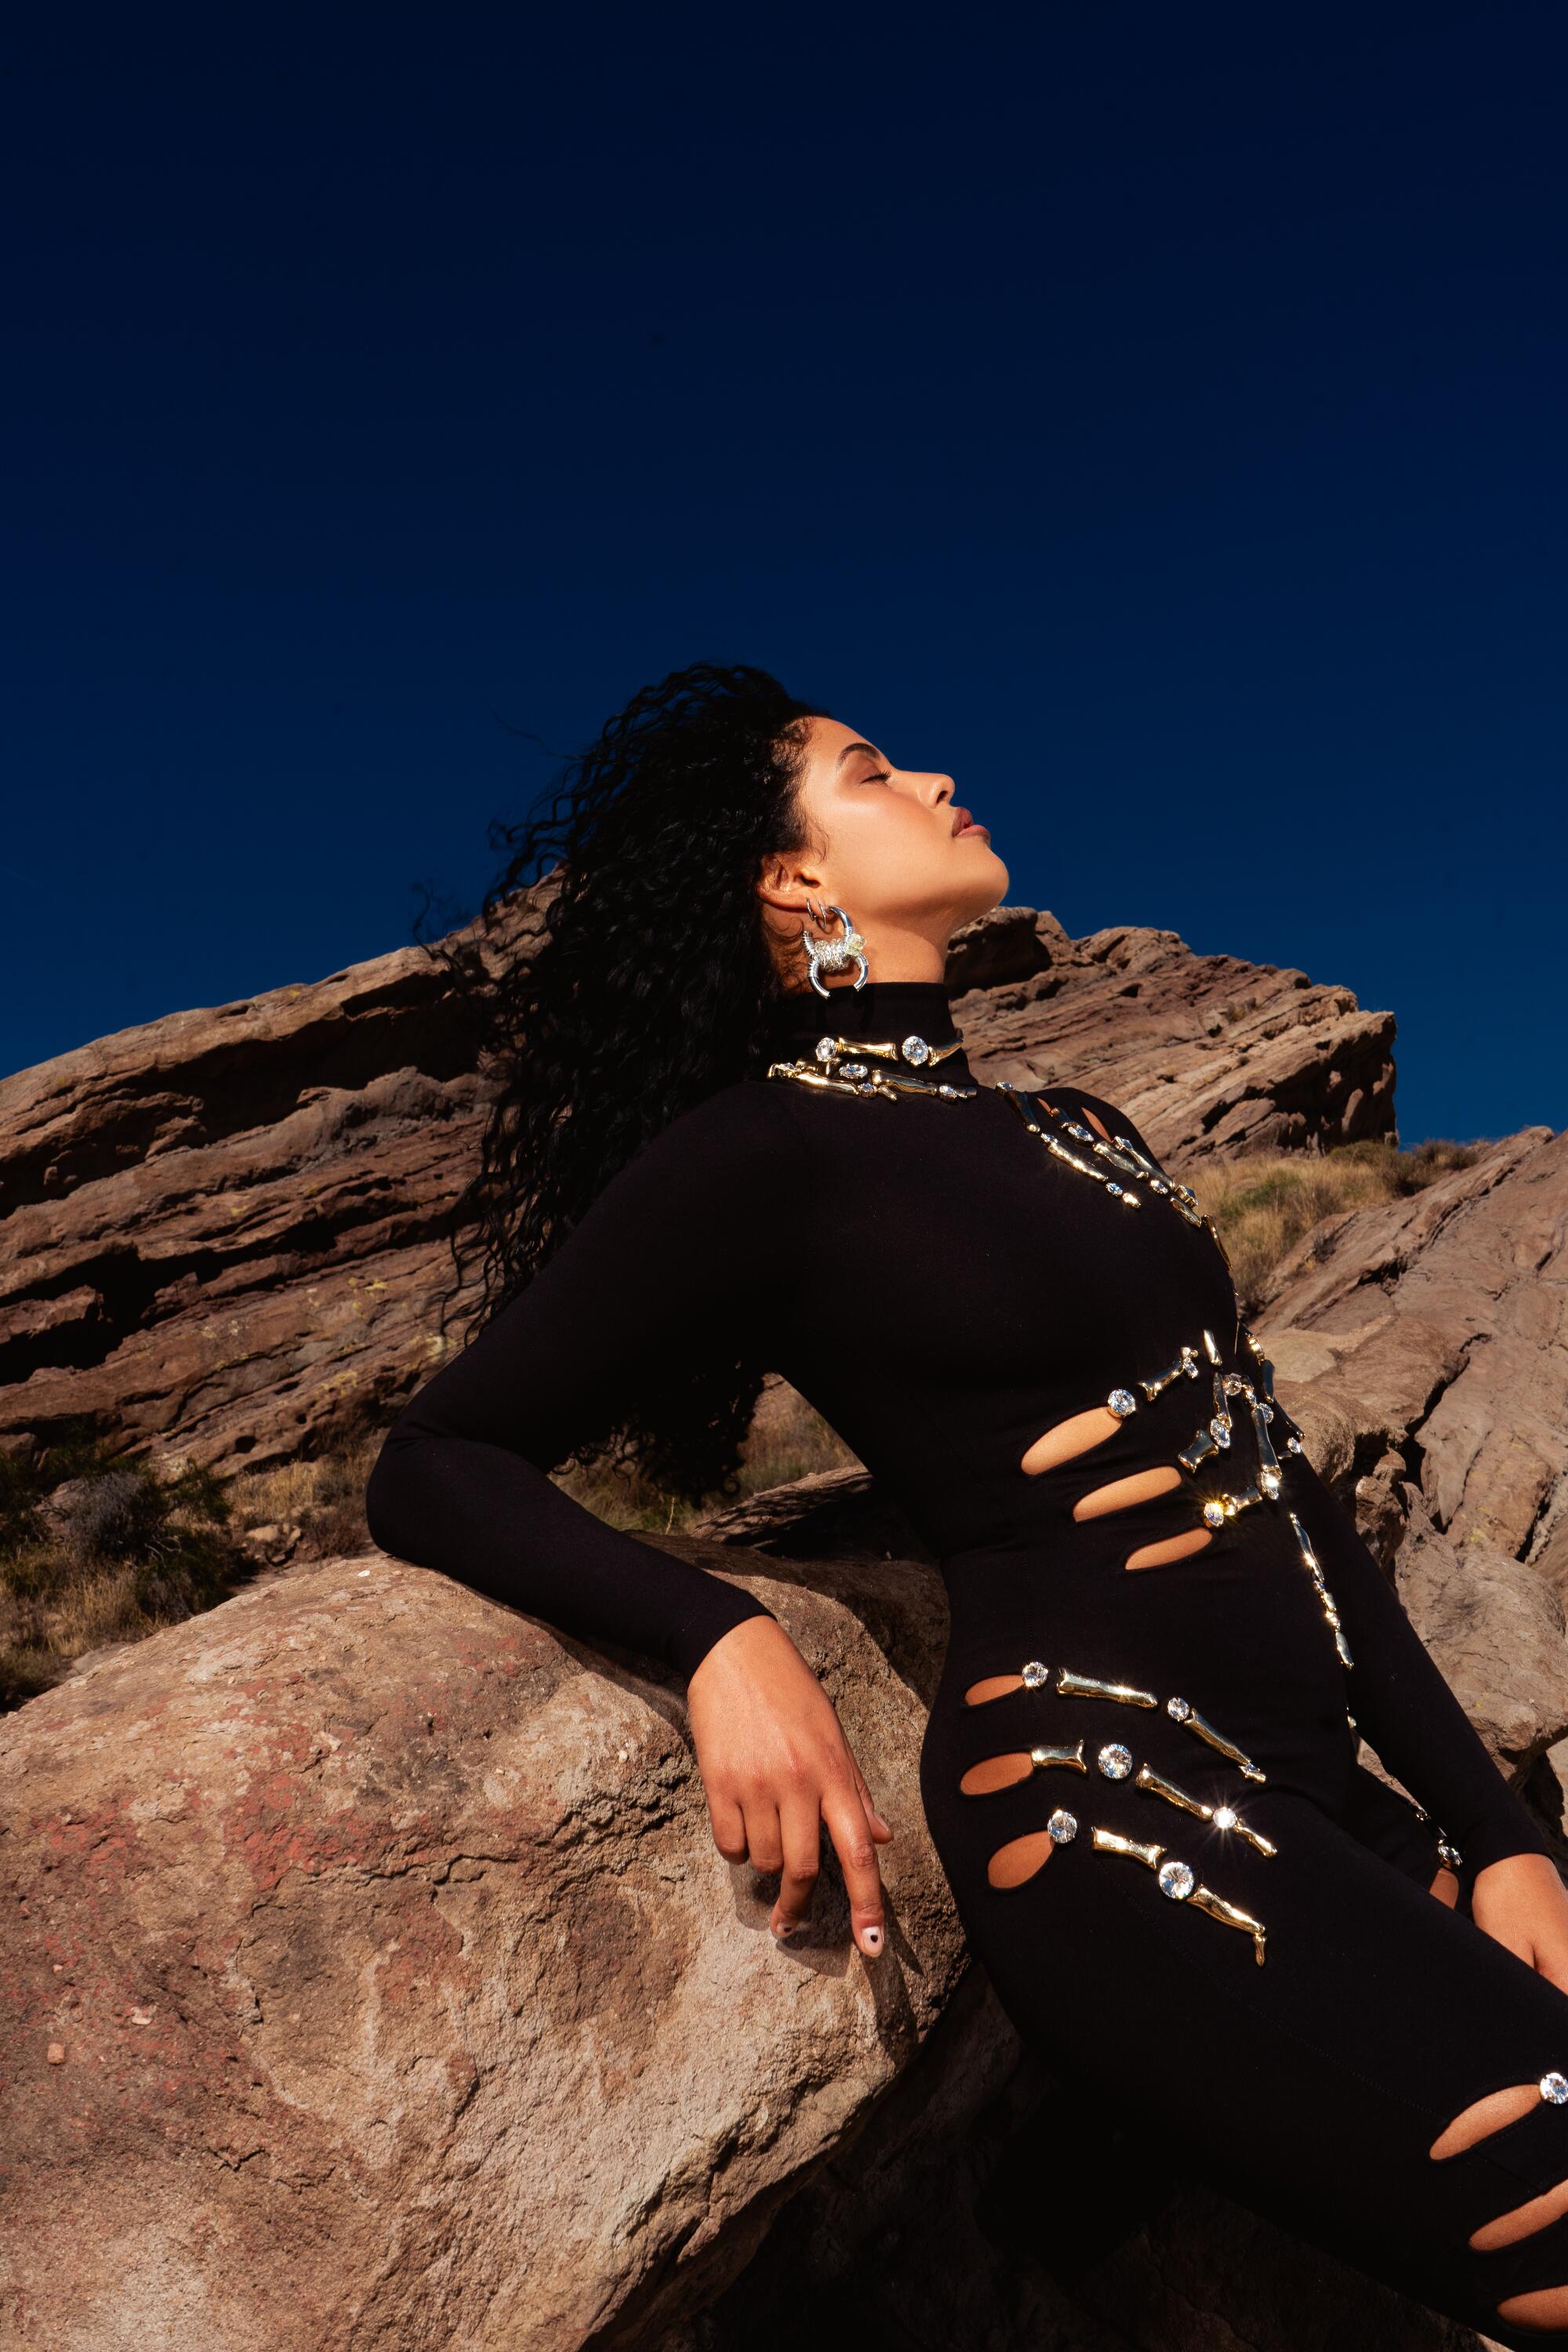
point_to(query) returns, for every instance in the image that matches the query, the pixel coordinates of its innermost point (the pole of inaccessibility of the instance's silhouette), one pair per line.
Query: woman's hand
(776, 1765)
(1523, 1903)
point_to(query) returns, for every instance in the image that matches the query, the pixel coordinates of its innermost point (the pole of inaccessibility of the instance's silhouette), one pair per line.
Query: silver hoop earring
(833, 955)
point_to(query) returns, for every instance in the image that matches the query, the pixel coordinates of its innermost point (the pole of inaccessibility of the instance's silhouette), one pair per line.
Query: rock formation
(1424, 1347)
(224, 1230)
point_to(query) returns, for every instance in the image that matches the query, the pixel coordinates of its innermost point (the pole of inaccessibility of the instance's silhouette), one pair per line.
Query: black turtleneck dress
(1142, 1782)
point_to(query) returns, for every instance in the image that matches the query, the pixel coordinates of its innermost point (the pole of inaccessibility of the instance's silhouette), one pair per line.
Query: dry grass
(788, 1439)
(97, 1549)
(1264, 1205)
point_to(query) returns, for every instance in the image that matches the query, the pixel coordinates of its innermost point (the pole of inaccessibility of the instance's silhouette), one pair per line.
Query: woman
(737, 1131)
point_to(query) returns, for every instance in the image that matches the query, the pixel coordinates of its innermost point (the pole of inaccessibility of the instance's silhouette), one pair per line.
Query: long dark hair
(618, 971)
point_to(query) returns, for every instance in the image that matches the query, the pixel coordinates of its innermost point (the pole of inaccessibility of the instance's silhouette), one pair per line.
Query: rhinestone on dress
(1176, 1881)
(1035, 1673)
(1269, 1480)
(824, 1049)
(1178, 1709)
(915, 1050)
(1114, 1760)
(1062, 1827)
(1121, 1401)
(1219, 1428)
(1554, 2088)
(1225, 1816)
(1214, 1514)
(855, 1070)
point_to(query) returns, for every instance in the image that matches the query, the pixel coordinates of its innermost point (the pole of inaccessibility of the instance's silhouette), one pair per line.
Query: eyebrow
(849, 747)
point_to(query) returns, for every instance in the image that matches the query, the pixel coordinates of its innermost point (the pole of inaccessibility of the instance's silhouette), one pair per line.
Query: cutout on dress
(992, 1686)
(1545, 2307)
(1183, 1546)
(1020, 1859)
(1484, 2117)
(1079, 1433)
(1445, 1887)
(993, 1773)
(1123, 1493)
(1522, 2220)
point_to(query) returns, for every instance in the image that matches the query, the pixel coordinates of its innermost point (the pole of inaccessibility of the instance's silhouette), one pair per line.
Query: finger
(881, 1828)
(856, 1847)
(765, 1845)
(800, 1824)
(729, 1826)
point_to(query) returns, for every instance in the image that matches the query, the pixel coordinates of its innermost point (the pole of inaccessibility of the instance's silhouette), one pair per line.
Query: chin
(991, 886)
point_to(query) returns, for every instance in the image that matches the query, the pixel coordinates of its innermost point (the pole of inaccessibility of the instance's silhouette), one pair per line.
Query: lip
(964, 822)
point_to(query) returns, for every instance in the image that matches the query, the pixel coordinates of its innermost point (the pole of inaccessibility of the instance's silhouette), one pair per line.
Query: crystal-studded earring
(833, 955)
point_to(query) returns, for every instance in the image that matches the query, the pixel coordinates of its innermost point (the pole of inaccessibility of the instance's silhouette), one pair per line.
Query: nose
(937, 789)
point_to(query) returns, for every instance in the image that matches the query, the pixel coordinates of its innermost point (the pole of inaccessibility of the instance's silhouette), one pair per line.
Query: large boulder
(369, 1980)
(369, 1974)
(225, 1230)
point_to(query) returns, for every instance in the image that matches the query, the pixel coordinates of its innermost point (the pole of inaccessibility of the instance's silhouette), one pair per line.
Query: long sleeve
(1399, 1697)
(1396, 1693)
(678, 1246)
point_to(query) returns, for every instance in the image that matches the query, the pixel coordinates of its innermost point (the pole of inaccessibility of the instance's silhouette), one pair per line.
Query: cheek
(886, 853)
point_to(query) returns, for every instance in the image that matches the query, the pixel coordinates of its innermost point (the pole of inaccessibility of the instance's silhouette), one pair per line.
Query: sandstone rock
(369, 1974)
(225, 1230)
(1209, 1056)
(1422, 1346)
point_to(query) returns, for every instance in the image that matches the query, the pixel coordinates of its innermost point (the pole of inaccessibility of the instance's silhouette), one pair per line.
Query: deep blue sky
(1155, 415)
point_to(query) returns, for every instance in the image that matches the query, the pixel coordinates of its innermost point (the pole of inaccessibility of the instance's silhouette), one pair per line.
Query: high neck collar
(884, 1011)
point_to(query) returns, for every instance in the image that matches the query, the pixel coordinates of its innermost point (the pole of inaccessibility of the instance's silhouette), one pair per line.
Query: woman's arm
(687, 1246)
(675, 1249)
(1398, 1695)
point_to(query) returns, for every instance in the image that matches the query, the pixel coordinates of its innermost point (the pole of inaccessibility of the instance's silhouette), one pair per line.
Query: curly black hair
(618, 971)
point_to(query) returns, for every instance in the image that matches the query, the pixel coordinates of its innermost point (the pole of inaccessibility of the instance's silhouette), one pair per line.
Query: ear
(787, 878)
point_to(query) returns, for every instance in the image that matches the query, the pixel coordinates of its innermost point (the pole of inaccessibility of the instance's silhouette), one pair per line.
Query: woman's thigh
(1313, 2086)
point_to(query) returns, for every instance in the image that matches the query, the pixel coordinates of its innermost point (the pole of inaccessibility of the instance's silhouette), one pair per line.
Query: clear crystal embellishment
(856, 1070)
(1219, 1428)
(1121, 1401)
(915, 1050)
(1114, 1760)
(1178, 1709)
(824, 1049)
(1062, 1827)
(1225, 1816)
(1035, 1673)
(1176, 1881)
(1214, 1514)
(1554, 2088)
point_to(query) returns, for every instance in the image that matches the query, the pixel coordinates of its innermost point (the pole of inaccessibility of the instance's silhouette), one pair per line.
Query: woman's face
(893, 847)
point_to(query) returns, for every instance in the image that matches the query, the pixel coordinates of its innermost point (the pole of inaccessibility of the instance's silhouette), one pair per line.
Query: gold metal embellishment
(844, 1066)
(1113, 1841)
(1180, 1882)
(913, 1050)
(1325, 1597)
(1024, 1105)
(1224, 1817)
(1182, 1710)
(1072, 1686)
(1071, 1758)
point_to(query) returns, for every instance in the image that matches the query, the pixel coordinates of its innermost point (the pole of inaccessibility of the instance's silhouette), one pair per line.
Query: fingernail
(871, 1939)
(780, 1934)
